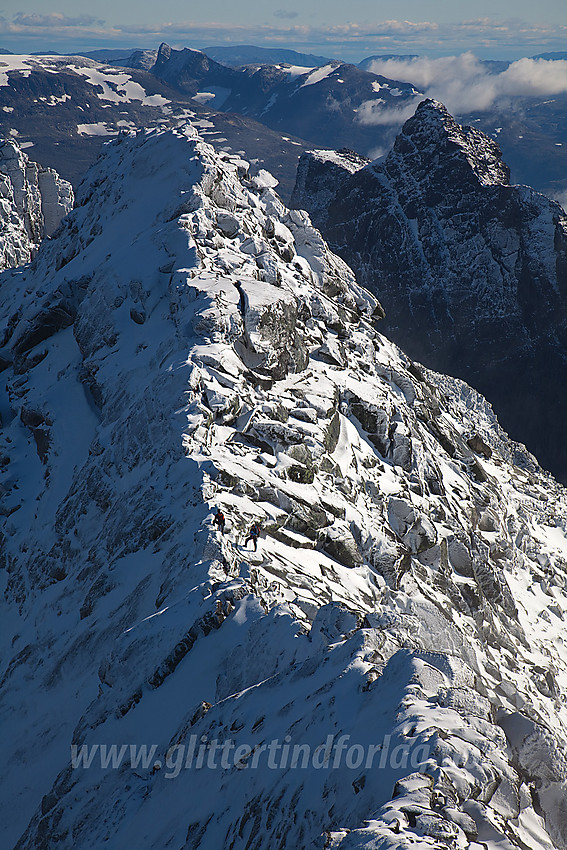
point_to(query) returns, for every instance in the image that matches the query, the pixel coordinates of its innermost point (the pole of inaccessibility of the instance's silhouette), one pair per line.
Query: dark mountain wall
(472, 272)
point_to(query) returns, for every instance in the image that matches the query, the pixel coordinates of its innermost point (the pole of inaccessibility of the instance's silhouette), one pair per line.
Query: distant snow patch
(317, 75)
(53, 100)
(216, 96)
(270, 103)
(98, 129)
(296, 70)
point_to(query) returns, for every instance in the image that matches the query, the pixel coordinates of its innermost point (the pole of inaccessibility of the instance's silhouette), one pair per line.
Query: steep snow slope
(33, 200)
(472, 271)
(184, 343)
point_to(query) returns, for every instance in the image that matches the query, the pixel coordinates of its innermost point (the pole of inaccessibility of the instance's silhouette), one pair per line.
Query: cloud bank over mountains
(465, 84)
(24, 31)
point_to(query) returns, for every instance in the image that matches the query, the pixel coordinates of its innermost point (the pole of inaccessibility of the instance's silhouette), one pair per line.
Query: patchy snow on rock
(19, 63)
(33, 200)
(116, 87)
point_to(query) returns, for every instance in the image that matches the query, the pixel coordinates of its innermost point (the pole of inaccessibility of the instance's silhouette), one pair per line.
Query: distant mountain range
(336, 105)
(62, 111)
(333, 105)
(248, 54)
(560, 55)
(341, 105)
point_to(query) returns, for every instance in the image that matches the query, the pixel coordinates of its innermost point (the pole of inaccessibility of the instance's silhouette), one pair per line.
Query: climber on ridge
(219, 520)
(253, 535)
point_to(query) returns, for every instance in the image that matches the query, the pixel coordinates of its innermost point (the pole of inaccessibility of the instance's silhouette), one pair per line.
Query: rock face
(386, 670)
(472, 272)
(318, 175)
(33, 200)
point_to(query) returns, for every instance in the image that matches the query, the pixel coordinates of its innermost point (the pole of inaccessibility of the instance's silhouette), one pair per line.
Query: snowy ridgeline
(387, 670)
(33, 200)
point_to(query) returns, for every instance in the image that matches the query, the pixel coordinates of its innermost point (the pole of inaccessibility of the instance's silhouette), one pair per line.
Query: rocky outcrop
(471, 271)
(270, 330)
(318, 174)
(33, 200)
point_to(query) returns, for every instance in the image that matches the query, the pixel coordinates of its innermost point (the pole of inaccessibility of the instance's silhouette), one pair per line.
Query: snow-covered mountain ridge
(186, 342)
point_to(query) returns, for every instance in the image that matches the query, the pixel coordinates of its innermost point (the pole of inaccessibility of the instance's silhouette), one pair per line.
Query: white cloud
(561, 198)
(374, 113)
(464, 84)
(345, 39)
(534, 77)
(53, 20)
(377, 153)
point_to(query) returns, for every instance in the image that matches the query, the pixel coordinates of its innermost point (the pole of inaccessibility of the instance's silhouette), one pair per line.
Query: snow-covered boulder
(270, 328)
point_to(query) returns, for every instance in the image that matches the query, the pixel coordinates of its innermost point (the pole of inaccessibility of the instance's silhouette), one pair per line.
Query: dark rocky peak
(186, 69)
(471, 271)
(164, 52)
(431, 140)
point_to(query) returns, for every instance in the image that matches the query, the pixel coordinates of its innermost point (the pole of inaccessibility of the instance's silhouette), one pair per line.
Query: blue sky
(349, 30)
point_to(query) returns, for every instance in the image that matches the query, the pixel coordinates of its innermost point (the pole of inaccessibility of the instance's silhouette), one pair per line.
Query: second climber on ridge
(253, 535)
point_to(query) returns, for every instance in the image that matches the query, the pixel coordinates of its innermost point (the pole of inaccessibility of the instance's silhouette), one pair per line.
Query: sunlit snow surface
(403, 586)
(116, 86)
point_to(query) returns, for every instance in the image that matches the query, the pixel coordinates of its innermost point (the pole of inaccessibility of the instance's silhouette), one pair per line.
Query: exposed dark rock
(44, 325)
(332, 433)
(300, 474)
(478, 445)
(271, 336)
(301, 453)
(137, 316)
(472, 271)
(375, 422)
(338, 542)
